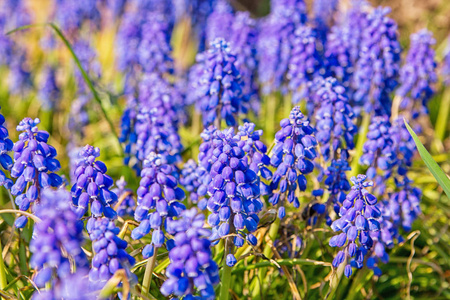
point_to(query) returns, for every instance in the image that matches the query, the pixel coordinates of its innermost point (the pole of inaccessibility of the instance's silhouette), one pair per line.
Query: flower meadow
(195, 149)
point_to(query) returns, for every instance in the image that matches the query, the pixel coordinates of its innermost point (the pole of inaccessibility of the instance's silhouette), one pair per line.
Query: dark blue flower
(232, 187)
(221, 85)
(6, 145)
(274, 45)
(34, 166)
(357, 219)
(334, 116)
(418, 74)
(378, 66)
(192, 270)
(159, 201)
(110, 254)
(93, 185)
(304, 62)
(379, 153)
(56, 244)
(292, 155)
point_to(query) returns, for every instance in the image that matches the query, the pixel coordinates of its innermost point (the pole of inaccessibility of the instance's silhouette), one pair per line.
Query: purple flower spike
(192, 270)
(93, 185)
(358, 219)
(56, 244)
(34, 166)
(110, 254)
(159, 200)
(6, 145)
(292, 155)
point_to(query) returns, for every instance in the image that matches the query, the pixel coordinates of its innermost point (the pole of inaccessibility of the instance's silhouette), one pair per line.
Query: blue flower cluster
(274, 46)
(343, 45)
(337, 182)
(323, 11)
(93, 186)
(189, 179)
(378, 66)
(379, 153)
(292, 155)
(6, 145)
(34, 166)
(335, 128)
(221, 85)
(304, 62)
(358, 218)
(159, 200)
(418, 74)
(191, 267)
(56, 245)
(110, 254)
(233, 189)
(219, 21)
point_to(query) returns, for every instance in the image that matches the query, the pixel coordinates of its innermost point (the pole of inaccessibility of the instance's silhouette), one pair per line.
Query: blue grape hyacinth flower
(6, 145)
(110, 254)
(35, 164)
(418, 74)
(56, 245)
(93, 185)
(159, 200)
(192, 269)
(358, 217)
(293, 156)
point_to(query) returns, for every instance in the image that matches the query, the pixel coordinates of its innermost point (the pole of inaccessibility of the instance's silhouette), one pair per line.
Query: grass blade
(434, 168)
(83, 73)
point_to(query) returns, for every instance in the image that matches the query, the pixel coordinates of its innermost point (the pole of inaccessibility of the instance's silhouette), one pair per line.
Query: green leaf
(434, 168)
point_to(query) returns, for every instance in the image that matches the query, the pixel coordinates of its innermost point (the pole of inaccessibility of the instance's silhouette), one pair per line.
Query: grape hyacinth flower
(35, 164)
(323, 11)
(6, 145)
(378, 66)
(418, 74)
(233, 191)
(274, 46)
(334, 116)
(343, 44)
(189, 179)
(358, 218)
(56, 245)
(159, 200)
(93, 186)
(292, 155)
(304, 62)
(243, 40)
(154, 50)
(379, 153)
(109, 249)
(337, 182)
(257, 151)
(192, 269)
(127, 205)
(49, 92)
(221, 86)
(220, 21)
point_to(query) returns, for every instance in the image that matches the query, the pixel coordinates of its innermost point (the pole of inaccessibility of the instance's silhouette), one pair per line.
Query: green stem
(444, 111)
(226, 281)
(3, 281)
(270, 116)
(146, 283)
(362, 136)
